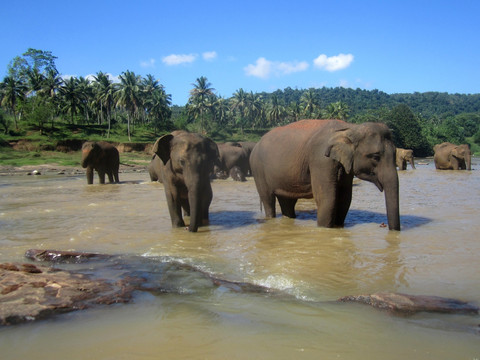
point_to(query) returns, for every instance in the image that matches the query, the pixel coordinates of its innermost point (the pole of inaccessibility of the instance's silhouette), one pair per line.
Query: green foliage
(38, 99)
(407, 132)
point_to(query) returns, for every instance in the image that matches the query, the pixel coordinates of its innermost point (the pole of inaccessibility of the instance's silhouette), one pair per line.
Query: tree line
(33, 90)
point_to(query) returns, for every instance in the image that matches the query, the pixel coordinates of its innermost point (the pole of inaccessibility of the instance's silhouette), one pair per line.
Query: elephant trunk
(89, 175)
(469, 161)
(412, 162)
(392, 202)
(85, 159)
(195, 196)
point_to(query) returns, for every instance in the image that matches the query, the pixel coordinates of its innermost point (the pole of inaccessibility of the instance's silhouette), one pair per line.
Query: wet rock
(31, 292)
(398, 303)
(62, 256)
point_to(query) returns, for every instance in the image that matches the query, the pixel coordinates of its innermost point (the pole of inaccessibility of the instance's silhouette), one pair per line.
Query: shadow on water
(357, 217)
(237, 219)
(232, 219)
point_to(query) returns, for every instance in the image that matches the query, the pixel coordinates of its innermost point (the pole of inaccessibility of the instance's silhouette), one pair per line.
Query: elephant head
(188, 161)
(367, 151)
(91, 152)
(463, 155)
(92, 155)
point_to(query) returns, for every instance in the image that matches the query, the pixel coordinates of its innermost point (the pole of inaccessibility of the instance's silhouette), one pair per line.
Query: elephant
(319, 158)
(102, 157)
(187, 160)
(233, 156)
(154, 168)
(449, 156)
(404, 155)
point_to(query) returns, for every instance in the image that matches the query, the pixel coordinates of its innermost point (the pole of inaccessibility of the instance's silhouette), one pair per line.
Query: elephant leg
(101, 176)
(175, 209)
(288, 206)
(343, 201)
(206, 201)
(185, 207)
(267, 198)
(89, 175)
(325, 195)
(115, 172)
(268, 202)
(110, 177)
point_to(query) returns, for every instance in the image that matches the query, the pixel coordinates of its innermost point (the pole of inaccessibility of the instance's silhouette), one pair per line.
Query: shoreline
(55, 169)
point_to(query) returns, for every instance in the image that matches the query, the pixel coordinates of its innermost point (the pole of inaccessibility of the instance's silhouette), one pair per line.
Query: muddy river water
(436, 253)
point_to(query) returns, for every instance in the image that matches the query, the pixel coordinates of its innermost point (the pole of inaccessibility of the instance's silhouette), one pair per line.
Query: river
(436, 253)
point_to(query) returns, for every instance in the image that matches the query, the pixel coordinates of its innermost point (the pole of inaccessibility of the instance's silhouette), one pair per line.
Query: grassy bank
(35, 146)
(18, 158)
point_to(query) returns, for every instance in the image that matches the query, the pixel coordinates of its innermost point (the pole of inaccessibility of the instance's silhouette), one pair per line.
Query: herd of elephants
(305, 159)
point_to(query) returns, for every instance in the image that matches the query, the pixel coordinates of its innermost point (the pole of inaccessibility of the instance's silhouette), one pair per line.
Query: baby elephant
(102, 157)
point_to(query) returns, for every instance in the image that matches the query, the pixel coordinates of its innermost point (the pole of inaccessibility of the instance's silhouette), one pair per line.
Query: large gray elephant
(404, 155)
(102, 157)
(187, 160)
(319, 158)
(449, 156)
(234, 161)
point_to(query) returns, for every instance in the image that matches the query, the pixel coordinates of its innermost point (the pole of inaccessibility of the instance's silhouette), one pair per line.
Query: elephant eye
(375, 156)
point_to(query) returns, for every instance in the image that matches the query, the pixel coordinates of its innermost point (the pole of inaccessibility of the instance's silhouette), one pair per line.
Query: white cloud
(288, 68)
(263, 68)
(333, 63)
(148, 63)
(209, 55)
(178, 59)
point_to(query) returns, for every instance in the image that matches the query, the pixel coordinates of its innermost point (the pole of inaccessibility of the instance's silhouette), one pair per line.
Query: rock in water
(31, 292)
(410, 304)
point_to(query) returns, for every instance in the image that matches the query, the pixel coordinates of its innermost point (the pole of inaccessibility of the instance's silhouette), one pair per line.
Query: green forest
(37, 101)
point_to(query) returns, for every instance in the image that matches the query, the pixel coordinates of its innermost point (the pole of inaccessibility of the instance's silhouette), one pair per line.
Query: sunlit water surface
(436, 253)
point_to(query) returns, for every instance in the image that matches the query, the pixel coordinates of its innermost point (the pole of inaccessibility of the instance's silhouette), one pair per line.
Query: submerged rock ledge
(30, 292)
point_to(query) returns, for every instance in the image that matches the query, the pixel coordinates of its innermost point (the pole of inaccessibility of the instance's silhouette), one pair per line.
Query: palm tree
(240, 106)
(276, 111)
(200, 99)
(338, 110)
(294, 111)
(51, 85)
(85, 90)
(158, 107)
(255, 109)
(128, 96)
(35, 81)
(12, 90)
(220, 111)
(309, 103)
(104, 95)
(71, 97)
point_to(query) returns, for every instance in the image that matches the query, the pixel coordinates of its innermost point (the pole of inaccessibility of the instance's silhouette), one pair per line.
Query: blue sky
(393, 46)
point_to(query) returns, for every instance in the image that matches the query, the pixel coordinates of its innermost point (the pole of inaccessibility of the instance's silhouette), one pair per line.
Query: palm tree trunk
(128, 126)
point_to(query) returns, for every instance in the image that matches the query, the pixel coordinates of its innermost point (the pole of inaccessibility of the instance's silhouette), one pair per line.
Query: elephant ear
(341, 148)
(162, 147)
(213, 152)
